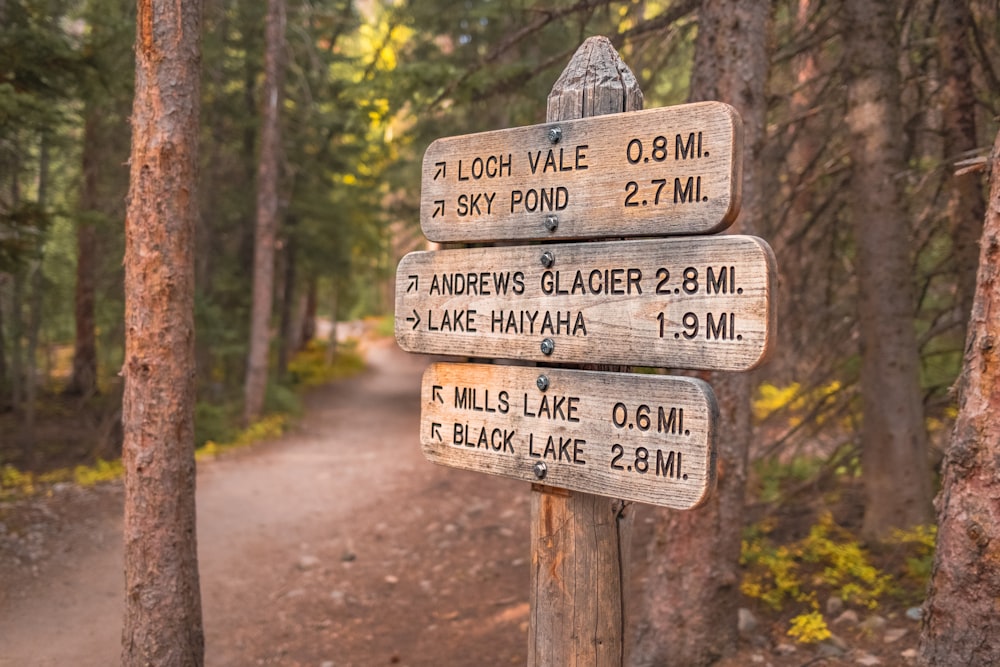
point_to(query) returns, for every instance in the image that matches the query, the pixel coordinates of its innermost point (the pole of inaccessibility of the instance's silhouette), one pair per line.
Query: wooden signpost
(693, 302)
(589, 441)
(646, 438)
(673, 170)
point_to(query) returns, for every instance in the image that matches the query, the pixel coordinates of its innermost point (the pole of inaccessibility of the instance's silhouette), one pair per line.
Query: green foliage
(282, 400)
(917, 547)
(101, 471)
(774, 476)
(309, 368)
(268, 427)
(828, 561)
(15, 483)
(215, 422)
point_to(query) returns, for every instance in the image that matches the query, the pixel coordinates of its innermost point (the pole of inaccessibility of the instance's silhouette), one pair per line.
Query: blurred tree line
(368, 84)
(877, 120)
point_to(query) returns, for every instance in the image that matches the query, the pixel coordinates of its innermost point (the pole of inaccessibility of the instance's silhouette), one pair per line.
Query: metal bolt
(555, 134)
(551, 222)
(542, 382)
(540, 470)
(548, 345)
(548, 259)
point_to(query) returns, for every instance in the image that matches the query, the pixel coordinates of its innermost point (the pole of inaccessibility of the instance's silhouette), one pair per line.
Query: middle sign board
(695, 302)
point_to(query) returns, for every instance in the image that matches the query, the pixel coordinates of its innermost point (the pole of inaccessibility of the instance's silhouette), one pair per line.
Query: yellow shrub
(809, 628)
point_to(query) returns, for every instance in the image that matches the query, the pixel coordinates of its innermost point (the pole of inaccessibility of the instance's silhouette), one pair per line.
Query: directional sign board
(645, 438)
(702, 302)
(660, 172)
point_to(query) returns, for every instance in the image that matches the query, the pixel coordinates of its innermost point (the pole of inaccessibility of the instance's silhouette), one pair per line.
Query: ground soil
(335, 545)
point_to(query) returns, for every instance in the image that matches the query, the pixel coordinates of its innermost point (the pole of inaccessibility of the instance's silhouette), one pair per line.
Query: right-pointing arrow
(415, 319)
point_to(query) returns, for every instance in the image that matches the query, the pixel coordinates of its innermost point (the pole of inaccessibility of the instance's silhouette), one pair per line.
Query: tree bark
(691, 592)
(83, 380)
(288, 339)
(580, 542)
(962, 613)
(163, 623)
(894, 443)
(267, 215)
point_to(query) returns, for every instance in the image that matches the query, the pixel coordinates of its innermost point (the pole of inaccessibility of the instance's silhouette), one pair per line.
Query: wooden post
(579, 542)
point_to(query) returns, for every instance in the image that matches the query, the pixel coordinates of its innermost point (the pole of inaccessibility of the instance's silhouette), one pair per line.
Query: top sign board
(659, 172)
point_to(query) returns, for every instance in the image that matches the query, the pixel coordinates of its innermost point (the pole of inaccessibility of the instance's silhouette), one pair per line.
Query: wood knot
(977, 534)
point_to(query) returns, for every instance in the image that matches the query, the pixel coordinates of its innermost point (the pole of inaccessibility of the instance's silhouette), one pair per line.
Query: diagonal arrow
(441, 169)
(415, 319)
(436, 393)
(412, 287)
(438, 208)
(436, 431)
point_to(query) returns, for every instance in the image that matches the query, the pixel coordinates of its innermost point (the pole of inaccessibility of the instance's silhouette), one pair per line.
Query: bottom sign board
(645, 438)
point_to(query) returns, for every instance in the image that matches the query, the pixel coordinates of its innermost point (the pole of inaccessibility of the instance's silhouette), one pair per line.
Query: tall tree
(965, 202)
(893, 440)
(83, 379)
(162, 599)
(267, 213)
(961, 623)
(694, 557)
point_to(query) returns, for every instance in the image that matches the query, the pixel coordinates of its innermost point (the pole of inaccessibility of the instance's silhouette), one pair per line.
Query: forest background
(871, 268)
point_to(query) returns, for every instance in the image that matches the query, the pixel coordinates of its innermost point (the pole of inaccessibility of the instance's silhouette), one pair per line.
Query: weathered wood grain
(659, 172)
(580, 542)
(694, 302)
(645, 438)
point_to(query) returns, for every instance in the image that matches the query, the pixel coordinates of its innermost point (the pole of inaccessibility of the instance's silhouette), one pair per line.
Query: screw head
(540, 470)
(551, 222)
(548, 345)
(548, 259)
(555, 134)
(542, 382)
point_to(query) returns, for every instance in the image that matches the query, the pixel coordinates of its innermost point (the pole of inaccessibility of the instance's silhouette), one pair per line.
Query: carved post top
(595, 82)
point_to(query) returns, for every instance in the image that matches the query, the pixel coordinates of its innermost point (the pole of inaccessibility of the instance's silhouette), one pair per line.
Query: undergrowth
(829, 562)
(215, 425)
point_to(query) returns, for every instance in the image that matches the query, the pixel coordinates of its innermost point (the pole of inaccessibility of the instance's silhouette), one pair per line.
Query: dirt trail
(335, 545)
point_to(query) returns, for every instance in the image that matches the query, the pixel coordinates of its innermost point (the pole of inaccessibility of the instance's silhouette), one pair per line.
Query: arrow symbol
(412, 287)
(436, 393)
(436, 431)
(441, 169)
(415, 319)
(438, 208)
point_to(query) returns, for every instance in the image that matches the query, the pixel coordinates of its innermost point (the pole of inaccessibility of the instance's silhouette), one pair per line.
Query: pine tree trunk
(894, 444)
(35, 285)
(162, 600)
(83, 380)
(966, 207)
(691, 592)
(287, 345)
(962, 618)
(267, 215)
